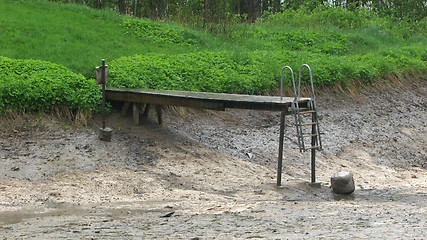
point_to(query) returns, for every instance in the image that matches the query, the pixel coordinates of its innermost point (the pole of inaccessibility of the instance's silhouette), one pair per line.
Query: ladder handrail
(311, 80)
(281, 80)
(312, 102)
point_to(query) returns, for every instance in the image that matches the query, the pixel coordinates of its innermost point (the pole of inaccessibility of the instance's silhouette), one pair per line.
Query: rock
(342, 183)
(14, 169)
(167, 215)
(105, 134)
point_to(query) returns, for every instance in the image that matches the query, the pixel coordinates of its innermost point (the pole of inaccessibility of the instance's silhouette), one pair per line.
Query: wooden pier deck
(213, 101)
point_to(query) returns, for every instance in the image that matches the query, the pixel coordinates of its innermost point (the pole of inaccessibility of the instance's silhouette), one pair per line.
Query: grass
(71, 35)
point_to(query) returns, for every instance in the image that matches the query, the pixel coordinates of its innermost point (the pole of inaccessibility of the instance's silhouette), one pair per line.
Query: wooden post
(146, 110)
(159, 114)
(135, 111)
(280, 159)
(125, 108)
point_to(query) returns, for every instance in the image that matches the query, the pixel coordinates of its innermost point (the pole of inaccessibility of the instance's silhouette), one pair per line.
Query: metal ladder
(299, 112)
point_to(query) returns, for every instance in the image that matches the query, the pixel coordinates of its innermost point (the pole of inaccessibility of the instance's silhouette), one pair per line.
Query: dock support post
(104, 81)
(313, 164)
(280, 159)
(159, 114)
(125, 108)
(135, 110)
(313, 152)
(146, 110)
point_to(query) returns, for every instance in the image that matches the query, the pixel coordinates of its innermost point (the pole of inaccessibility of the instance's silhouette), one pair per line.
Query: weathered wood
(135, 113)
(125, 108)
(214, 101)
(159, 114)
(146, 110)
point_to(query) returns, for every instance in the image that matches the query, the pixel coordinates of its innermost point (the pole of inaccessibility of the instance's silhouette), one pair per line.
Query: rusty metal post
(101, 78)
(103, 93)
(280, 159)
(313, 149)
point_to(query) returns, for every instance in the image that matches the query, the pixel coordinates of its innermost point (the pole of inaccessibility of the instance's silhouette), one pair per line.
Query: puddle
(13, 217)
(111, 210)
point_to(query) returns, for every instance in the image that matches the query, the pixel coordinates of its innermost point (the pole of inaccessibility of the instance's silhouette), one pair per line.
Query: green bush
(33, 85)
(258, 71)
(202, 71)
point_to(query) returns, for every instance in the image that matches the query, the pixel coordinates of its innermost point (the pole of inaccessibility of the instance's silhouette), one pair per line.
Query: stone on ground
(342, 183)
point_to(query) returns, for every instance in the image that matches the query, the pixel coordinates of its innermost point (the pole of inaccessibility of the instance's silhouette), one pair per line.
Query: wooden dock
(203, 100)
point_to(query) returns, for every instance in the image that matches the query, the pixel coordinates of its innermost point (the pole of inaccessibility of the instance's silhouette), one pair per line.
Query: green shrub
(33, 85)
(202, 71)
(257, 71)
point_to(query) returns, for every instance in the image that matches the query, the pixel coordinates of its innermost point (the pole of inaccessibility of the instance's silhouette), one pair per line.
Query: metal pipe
(313, 149)
(281, 80)
(311, 80)
(103, 93)
(280, 159)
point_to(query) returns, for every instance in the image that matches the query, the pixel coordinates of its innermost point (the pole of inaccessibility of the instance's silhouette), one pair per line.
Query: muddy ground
(212, 175)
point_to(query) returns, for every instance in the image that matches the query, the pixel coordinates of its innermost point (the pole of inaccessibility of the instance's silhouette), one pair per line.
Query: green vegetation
(34, 85)
(340, 46)
(201, 71)
(72, 35)
(164, 33)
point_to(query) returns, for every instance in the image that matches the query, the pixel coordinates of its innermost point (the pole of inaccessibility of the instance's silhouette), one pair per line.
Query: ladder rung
(307, 124)
(313, 147)
(305, 112)
(310, 135)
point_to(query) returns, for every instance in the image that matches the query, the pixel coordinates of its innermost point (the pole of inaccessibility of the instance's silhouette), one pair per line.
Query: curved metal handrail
(281, 81)
(311, 80)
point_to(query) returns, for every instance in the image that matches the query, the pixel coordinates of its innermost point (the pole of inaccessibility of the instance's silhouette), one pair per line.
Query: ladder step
(313, 147)
(307, 124)
(305, 112)
(310, 135)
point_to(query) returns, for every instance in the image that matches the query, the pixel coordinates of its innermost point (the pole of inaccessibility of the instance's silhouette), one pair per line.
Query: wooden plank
(214, 101)
(159, 99)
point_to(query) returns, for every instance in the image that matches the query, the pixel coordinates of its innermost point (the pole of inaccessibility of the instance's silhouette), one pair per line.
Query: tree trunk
(276, 6)
(252, 8)
(161, 9)
(122, 6)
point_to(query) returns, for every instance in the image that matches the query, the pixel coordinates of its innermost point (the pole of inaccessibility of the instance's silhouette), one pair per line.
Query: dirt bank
(214, 174)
